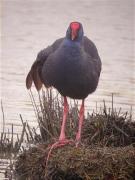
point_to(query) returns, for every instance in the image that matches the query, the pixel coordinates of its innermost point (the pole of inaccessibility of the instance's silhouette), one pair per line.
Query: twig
(12, 141)
(22, 135)
(112, 103)
(36, 110)
(120, 130)
(3, 116)
(30, 133)
(131, 112)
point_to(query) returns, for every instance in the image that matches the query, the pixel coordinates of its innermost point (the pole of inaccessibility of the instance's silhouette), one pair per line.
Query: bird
(71, 65)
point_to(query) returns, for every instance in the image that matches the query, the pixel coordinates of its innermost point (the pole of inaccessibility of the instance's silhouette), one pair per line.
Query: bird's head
(75, 31)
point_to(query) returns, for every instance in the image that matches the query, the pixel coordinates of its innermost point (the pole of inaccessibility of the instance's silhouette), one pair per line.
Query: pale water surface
(29, 26)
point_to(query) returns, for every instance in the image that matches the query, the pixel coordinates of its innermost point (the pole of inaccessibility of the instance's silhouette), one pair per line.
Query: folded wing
(34, 74)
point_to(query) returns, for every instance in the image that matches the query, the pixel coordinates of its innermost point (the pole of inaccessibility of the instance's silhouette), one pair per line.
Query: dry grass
(85, 163)
(107, 151)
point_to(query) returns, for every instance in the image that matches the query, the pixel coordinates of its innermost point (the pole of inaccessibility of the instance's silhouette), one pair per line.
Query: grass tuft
(107, 151)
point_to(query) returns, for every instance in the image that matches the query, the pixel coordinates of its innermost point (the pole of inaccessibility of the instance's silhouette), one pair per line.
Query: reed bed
(107, 150)
(11, 143)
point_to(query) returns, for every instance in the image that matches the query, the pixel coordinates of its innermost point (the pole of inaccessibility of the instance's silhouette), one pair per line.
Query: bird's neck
(69, 42)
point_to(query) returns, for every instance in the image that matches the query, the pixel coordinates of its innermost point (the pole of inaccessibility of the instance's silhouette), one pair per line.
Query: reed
(107, 150)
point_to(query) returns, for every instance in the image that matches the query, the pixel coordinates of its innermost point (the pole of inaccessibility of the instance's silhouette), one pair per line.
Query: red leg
(81, 118)
(62, 138)
(62, 133)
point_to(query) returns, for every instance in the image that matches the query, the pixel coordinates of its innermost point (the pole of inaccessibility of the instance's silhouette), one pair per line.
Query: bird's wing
(92, 51)
(34, 74)
(90, 47)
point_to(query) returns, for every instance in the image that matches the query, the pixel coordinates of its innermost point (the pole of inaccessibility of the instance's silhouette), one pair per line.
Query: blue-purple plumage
(71, 66)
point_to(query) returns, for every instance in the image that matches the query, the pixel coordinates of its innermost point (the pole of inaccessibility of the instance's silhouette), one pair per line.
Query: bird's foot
(78, 143)
(78, 140)
(58, 144)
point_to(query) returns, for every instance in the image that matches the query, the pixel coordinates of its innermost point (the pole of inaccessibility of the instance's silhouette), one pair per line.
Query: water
(29, 26)
(4, 166)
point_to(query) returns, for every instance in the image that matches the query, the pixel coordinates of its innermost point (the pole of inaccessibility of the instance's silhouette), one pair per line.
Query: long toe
(58, 144)
(77, 143)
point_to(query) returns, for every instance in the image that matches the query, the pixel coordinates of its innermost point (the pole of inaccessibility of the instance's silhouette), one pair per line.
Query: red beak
(73, 34)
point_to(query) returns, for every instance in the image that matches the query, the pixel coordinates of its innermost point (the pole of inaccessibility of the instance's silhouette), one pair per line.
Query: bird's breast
(68, 70)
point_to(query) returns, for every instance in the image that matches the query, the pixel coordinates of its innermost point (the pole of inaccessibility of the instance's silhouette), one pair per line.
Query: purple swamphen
(71, 65)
